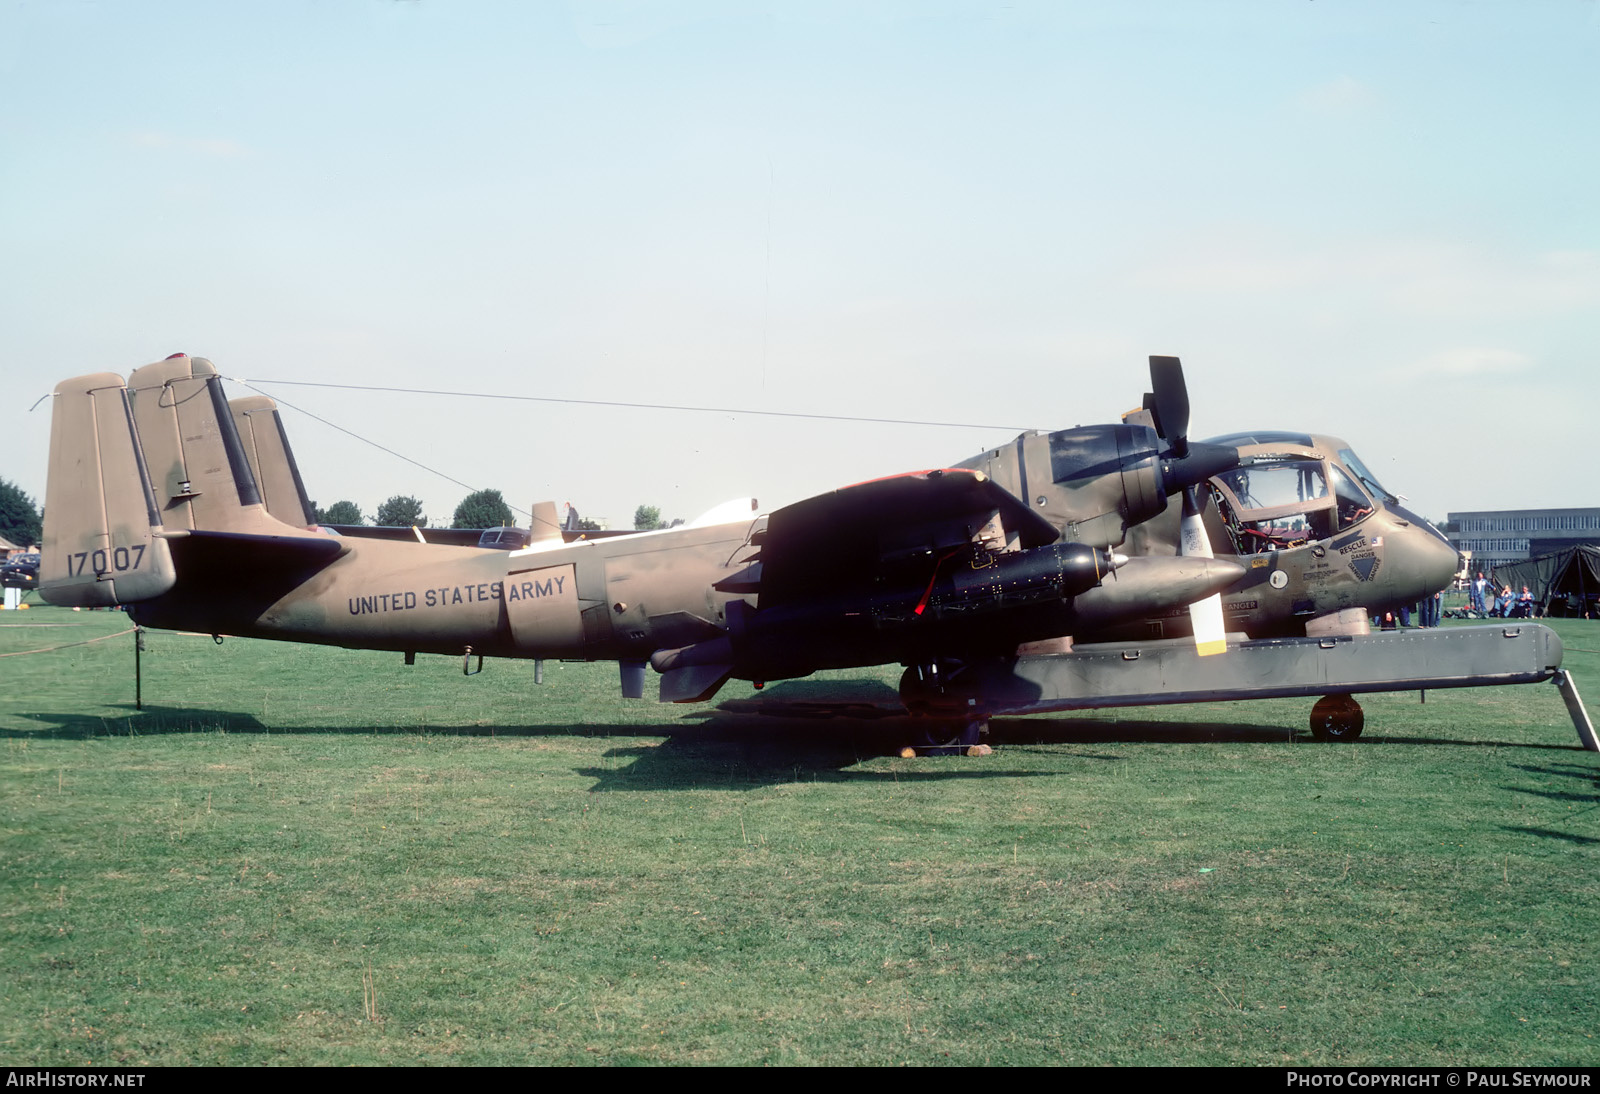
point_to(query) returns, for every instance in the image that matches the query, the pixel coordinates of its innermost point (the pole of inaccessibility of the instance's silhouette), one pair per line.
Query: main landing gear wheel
(1337, 718)
(946, 727)
(942, 737)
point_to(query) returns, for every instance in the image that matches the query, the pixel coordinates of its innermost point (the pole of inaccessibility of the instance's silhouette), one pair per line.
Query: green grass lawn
(307, 855)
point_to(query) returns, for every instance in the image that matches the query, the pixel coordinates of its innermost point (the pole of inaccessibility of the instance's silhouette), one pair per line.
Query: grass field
(308, 856)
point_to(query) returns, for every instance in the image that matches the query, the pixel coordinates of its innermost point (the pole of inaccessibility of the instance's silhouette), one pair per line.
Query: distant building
(1513, 535)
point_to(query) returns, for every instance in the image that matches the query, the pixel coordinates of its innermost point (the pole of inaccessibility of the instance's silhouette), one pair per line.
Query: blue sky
(1371, 219)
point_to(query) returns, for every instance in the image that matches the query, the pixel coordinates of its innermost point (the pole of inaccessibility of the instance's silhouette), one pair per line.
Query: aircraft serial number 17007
(165, 497)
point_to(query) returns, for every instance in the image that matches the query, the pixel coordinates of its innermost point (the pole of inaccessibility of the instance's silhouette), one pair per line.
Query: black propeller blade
(1168, 404)
(1183, 465)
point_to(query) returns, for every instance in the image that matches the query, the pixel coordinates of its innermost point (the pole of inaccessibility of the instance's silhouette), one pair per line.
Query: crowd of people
(1484, 603)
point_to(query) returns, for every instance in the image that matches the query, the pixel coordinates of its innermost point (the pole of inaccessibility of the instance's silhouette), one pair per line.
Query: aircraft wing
(832, 559)
(847, 538)
(452, 537)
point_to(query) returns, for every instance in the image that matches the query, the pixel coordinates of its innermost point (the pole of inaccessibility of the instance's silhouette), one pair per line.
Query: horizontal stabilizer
(249, 556)
(450, 537)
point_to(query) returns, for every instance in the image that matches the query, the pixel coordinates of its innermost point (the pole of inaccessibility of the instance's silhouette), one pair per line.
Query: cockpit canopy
(1290, 488)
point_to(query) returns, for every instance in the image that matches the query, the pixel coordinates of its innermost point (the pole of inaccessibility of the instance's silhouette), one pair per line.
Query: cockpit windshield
(1353, 504)
(1272, 485)
(1353, 462)
(1275, 502)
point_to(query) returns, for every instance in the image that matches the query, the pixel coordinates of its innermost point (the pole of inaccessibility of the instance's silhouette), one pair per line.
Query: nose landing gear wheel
(1337, 718)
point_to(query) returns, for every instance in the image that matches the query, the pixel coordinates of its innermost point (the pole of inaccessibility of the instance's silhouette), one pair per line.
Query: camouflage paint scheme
(190, 510)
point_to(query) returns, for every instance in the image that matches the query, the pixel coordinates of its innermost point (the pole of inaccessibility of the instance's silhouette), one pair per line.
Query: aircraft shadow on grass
(1583, 802)
(1586, 773)
(152, 720)
(875, 701)
(802, 731)
(1370, 738)
(811, 730)
(1551, 833)
(1570, 798)
(155, 720)
(799, 730)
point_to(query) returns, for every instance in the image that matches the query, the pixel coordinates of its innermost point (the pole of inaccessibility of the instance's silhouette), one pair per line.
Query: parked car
(504, 539)
(20, 572)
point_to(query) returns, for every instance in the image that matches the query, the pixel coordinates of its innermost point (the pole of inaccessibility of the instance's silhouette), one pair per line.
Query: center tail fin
(197, 462)
(203, 475)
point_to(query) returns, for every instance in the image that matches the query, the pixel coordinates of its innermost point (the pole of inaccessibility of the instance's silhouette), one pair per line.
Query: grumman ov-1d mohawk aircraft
(1048, 555)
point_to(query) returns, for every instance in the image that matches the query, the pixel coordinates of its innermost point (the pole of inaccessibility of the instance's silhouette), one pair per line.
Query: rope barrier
(69, 645)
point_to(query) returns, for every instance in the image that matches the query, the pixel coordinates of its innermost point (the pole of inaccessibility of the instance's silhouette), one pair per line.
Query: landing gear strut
(1337, 718)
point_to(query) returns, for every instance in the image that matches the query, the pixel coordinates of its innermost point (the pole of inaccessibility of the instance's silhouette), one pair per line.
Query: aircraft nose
(1431, 557)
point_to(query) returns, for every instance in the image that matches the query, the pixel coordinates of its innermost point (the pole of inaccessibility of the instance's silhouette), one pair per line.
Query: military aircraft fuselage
(609, 599)
(681, 596)
(190, 510)
(1313, 532)
(1381, 564)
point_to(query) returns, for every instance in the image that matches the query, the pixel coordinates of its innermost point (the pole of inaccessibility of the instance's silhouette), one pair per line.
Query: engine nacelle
(1095, 482)
(976, 600)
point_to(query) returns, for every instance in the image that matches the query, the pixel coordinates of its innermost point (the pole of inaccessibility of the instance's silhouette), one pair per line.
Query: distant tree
(19, 516)
(587, 525)
(340, 512)
(646, 518)
(400, 511)
(485, 509)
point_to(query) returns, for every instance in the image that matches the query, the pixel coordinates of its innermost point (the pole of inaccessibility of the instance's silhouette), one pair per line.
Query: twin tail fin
(135, 465)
